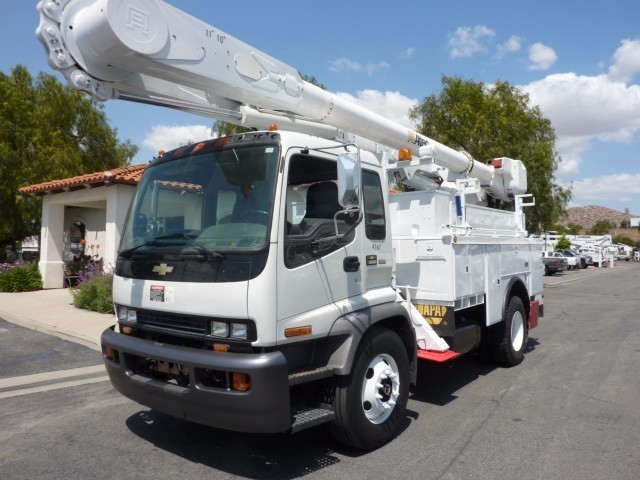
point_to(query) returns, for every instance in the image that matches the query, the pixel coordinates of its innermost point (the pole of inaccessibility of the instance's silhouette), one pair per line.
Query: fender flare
(353, 326)
(516, 287)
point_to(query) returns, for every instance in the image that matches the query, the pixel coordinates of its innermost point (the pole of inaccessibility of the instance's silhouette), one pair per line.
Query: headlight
(220, 329)
(239, 330)
(127, 315)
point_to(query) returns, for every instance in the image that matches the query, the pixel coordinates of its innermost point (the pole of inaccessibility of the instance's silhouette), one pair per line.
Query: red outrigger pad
(439, 357)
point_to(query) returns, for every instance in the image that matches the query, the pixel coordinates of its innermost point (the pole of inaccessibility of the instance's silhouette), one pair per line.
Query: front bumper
(265, 408)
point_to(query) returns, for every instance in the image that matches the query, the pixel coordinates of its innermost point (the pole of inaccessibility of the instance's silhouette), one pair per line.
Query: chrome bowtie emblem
(162, 269)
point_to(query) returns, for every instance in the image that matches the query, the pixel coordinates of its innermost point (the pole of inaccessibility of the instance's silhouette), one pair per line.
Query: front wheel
(370, 403)
(509, 338)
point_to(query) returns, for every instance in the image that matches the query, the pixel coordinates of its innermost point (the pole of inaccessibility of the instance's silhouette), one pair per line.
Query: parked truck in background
(553, 264)
(297, 274)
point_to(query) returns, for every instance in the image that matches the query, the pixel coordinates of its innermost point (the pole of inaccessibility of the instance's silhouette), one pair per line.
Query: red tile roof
(129, 175)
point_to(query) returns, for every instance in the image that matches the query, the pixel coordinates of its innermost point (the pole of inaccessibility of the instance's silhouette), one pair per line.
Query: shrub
(93, 291)
(20, 277)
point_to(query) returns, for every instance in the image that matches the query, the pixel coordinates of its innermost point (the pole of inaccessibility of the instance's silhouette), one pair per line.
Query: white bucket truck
(269, 281)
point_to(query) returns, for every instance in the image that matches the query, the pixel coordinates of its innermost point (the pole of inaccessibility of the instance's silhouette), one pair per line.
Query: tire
(509, 338)
(370, 403)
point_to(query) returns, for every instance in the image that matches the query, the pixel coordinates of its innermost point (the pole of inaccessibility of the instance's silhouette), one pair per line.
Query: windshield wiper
(201, 246)
(151, 243)
(157, 242)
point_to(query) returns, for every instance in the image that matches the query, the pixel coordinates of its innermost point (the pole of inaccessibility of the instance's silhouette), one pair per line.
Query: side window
(374, 221)
(312, 204)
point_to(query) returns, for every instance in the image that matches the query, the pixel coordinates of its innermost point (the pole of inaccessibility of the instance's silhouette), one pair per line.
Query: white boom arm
(149, 51)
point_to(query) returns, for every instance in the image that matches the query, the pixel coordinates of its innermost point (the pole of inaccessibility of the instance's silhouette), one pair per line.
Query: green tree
(602, 227)
(625, 240)
(498, 121)
(574, 228)
(47, 131)
(563, 243)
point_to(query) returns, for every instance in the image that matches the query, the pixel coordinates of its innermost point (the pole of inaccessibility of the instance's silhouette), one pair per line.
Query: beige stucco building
(82, 215)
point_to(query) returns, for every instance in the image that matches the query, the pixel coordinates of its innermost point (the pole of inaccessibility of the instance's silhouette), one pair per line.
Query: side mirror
(349, 180)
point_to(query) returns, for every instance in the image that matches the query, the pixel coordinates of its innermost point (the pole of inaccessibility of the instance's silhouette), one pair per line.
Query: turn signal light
(298, 331)
(241, 382)
(111, 353)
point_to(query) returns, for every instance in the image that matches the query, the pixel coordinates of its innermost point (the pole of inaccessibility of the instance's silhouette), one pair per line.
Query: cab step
(308, 417)
(310, 375)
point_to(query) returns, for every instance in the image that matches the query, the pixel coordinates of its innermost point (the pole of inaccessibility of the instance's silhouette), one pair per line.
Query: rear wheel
(370, 403)
(509, 338)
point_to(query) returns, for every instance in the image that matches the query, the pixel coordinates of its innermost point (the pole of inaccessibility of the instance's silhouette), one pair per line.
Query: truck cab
(238, 250)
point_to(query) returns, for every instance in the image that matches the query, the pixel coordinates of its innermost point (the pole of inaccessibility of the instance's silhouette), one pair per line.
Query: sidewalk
(52, 312)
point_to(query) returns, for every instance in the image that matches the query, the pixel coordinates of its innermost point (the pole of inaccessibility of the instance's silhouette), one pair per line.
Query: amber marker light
(221, 142)
(298, 331)
(405, 154)
(273, 127)
(241, 382)
(220, 347)
(126, 330)
(198, 147)
(111, 354)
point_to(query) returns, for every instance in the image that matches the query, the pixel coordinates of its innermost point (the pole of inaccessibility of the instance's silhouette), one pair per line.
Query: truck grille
(187, 330)
(186, 325)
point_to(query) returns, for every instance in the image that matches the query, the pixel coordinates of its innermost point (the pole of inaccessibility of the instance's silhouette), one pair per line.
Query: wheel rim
(517, 331)
(380, 388)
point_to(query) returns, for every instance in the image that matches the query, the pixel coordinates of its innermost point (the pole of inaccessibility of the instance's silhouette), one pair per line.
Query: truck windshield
(210, 203)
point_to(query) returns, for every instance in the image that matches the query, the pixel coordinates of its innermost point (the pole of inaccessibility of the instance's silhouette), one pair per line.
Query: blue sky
(579, 61)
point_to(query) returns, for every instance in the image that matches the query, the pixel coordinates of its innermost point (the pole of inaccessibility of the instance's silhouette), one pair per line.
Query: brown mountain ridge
(589, 215)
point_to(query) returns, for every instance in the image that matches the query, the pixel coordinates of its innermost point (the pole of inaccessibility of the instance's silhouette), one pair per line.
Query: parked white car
(583, 260)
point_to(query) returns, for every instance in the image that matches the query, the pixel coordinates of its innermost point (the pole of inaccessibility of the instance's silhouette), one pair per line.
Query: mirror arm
(352, 227)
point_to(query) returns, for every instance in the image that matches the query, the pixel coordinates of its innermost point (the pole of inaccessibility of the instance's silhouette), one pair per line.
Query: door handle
(351, 264)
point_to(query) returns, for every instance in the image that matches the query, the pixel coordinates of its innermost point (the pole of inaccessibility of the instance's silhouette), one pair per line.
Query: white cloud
(165, 137)
(345, 64)
(622, 187)
(341, 64)
(626, 61)
(407, 53)
(466, 41)
(513, 44)
(571, 150)
(375, 67)
(392, 105)
(588, 106)
(541, 57)
(583, 109)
